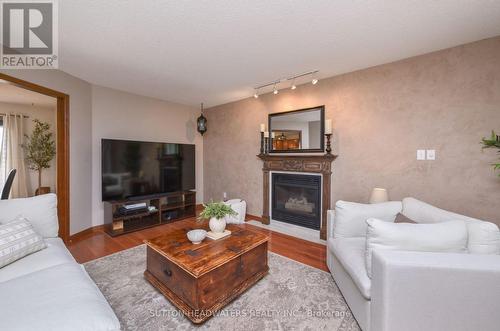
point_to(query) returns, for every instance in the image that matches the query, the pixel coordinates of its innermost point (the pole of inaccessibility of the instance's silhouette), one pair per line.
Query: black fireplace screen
(296, 199)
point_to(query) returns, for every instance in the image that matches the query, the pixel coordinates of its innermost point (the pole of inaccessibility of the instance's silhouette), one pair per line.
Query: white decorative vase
(217, 225)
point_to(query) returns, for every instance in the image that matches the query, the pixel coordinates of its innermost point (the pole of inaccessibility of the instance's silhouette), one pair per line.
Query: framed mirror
(297, 131)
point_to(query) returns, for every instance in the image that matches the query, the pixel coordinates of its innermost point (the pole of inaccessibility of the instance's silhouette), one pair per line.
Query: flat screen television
(136, 169)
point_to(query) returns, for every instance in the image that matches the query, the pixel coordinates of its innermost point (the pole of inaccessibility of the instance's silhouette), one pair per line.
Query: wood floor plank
(98, 244)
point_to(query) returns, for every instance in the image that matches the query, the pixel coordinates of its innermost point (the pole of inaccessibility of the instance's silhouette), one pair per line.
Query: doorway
(62, 147)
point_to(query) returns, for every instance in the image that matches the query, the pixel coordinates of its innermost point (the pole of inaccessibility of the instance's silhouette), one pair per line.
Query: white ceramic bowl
(196, 236)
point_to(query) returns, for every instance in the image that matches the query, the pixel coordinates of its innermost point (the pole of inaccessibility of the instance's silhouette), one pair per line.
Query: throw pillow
(439, 237)
(350, 217)
(400, 218)
(484, 237)
(18, 239)
(40, 210)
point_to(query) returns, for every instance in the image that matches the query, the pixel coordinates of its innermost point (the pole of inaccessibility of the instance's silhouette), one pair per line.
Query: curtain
(12, 154)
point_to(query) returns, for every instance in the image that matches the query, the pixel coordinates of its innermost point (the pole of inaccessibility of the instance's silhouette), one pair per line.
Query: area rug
(293, 296)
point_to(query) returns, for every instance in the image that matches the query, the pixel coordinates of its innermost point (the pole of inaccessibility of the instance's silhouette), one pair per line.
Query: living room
(286, 165)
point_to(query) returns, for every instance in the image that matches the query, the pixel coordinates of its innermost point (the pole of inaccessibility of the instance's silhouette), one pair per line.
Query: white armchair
(240, 207)
(417, 290)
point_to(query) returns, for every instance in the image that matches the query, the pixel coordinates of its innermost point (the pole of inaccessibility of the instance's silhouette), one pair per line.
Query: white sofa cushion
(55, 254)
(17, 240)
(41, 211)
(440, 237)
(351, 254)
(62, 297)
(350, 217)
(484, 237)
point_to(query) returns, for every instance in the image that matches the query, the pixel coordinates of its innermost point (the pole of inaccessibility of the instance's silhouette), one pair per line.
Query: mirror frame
(321, 149)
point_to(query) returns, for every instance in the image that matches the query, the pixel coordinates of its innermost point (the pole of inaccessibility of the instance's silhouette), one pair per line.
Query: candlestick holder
(328, 143)
(261, 142)
(266, 145)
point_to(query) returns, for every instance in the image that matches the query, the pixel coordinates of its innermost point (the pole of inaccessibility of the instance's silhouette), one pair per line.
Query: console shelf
(169, 207)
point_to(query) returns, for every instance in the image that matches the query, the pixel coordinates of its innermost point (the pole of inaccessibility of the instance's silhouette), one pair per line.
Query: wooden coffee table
(201, 279)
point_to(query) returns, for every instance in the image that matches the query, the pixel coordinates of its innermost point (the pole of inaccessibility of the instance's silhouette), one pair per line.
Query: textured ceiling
(217, 51)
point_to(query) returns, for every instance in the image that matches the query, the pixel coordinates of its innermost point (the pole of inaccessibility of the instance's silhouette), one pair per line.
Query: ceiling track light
(314, 80)
(256, 94)
(292, 79)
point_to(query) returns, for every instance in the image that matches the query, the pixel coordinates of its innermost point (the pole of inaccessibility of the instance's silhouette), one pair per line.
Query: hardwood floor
(95, 244)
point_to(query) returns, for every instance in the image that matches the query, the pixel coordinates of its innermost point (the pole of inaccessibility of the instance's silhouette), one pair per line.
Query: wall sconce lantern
(201, 122)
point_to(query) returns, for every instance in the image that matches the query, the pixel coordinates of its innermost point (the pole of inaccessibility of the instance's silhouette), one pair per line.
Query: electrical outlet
(224, 196)
(420, 154)
(431, 154)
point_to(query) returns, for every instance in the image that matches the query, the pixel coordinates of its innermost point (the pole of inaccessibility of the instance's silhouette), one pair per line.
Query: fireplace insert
(296, 199)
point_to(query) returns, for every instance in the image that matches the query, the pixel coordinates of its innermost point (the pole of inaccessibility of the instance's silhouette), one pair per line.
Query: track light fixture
(292, 79)
(314, 80)
(256, 94)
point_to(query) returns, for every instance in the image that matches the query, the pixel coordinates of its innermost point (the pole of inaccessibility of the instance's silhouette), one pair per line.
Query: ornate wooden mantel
(299, 163)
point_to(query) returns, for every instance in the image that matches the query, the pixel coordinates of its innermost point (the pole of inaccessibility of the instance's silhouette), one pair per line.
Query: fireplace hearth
(296, 199)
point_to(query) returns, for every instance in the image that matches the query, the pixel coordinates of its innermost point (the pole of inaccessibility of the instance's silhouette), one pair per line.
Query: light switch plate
(420, 154)
(431, 154)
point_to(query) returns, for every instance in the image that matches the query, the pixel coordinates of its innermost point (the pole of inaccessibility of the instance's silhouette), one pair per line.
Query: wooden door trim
(62, 157)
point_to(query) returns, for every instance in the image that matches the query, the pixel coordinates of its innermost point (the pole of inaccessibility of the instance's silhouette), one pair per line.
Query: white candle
(328, 127)
(266, 134)
(273, 135)
(262, 127)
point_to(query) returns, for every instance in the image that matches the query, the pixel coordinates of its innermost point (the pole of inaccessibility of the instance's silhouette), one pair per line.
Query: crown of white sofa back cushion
(484, 237)
(40, 211)
(350, 217)
(448, 237)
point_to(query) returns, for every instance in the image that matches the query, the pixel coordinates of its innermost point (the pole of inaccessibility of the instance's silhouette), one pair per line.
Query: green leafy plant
(216, 209)
(492, 142)
(40, 148)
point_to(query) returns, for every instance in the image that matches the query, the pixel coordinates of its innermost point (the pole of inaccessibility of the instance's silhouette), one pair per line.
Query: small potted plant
(216, 212)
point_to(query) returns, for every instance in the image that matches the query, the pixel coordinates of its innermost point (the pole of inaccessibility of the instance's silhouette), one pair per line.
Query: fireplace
(301, 165)
(296, 199)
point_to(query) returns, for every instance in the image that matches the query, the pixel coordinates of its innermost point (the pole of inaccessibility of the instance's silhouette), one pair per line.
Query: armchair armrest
(330, 215)
(434, 291)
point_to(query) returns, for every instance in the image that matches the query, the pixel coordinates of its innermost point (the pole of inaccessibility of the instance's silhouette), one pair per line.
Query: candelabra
(262, 143)
(328, 143)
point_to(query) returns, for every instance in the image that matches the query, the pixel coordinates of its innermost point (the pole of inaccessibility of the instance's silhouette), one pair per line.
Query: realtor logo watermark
(29, 35)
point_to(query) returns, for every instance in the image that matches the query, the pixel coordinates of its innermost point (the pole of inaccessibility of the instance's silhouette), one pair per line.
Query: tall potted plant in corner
(493, 142)
(216, 212)
(40, 149)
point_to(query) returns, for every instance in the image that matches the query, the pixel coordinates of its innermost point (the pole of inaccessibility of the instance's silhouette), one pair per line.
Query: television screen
(132, 169)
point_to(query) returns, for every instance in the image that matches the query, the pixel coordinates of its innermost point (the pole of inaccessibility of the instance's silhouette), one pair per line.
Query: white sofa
(419, 290)
(48, 290)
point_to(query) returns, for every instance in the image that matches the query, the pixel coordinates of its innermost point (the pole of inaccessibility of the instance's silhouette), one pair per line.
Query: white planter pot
(217, 225)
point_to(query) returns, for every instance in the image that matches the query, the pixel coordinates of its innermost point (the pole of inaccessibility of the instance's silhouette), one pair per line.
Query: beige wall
(44, 114)
(121, 115)
(445, 101)
(80, 120)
